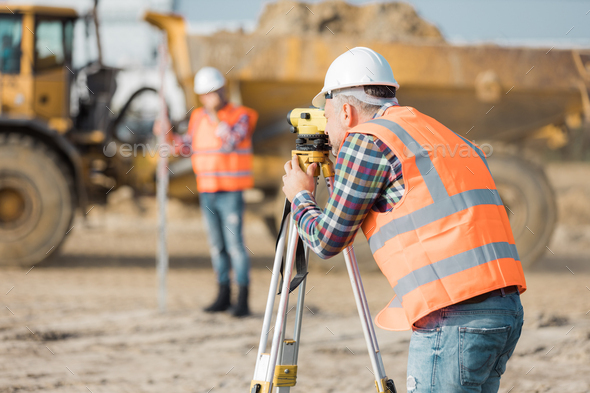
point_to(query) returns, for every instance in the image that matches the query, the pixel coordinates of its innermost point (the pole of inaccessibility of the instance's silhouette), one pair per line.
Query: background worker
(221, 135)
(435, 224)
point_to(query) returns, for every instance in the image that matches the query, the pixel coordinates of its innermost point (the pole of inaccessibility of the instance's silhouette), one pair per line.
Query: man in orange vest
(221, 135)
(433, 218)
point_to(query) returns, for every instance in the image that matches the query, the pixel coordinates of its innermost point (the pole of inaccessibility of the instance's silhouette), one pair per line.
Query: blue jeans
(465, 347)
(223, 212)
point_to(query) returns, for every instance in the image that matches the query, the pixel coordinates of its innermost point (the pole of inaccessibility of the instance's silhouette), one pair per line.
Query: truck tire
(37, 201)
(530, 203)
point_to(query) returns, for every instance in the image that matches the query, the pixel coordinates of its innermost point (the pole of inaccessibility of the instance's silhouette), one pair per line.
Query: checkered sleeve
(368, 176)
(232, 136)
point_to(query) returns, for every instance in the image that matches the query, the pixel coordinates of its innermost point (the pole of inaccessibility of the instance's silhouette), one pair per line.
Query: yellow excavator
(58, 154)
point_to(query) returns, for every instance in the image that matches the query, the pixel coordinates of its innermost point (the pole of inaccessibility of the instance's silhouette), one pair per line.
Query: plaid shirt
(368, 177)
(232, 136)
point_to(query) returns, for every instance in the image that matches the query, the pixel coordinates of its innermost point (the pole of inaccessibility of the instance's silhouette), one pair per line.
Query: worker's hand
(295, 180)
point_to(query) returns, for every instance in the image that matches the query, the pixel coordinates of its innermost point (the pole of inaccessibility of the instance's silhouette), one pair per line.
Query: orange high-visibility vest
(448, 239)
(216, 169)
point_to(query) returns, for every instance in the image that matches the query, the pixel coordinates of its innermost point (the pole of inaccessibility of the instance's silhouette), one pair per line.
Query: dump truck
(495, 96)
(59, 151)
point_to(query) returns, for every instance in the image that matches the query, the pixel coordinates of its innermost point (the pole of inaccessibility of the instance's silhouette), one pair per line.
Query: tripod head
(309, 124)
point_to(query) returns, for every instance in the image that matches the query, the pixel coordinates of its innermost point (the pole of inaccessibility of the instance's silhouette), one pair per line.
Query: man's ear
(347, 115)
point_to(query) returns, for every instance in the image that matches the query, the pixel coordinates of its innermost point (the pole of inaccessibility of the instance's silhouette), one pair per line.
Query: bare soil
(88, 319)
(391, 21)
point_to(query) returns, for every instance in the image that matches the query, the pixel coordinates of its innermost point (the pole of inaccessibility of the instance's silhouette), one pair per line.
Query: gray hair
(364, 109)
(371, 93)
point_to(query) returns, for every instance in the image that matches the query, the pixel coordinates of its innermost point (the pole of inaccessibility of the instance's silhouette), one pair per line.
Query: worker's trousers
(223, 212)
(465, 347)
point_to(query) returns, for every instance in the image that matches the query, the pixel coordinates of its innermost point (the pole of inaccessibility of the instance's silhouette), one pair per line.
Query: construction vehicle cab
(35, 62)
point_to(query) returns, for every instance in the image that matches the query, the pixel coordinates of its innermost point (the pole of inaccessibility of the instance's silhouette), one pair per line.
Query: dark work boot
(222, 302)
(241, 309)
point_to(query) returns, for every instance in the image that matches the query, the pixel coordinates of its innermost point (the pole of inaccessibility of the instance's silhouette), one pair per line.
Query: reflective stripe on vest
(455, 264)
(448, 239)
(431, 178)
(431, 213)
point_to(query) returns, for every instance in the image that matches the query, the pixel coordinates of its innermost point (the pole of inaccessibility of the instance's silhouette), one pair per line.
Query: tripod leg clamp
(285, 375)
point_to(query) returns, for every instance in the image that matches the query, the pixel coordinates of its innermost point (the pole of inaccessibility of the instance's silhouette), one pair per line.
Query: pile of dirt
(378, 21)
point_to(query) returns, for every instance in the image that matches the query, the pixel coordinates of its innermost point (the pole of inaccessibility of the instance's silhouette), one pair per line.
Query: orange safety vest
(448, 239)
(218, 170)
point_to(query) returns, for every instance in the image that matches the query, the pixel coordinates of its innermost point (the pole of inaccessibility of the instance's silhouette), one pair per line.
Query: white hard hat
(208, 79)
(356, 67)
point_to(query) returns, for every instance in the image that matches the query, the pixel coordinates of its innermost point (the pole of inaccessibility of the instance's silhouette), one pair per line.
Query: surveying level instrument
(278, 367)
(309, 124)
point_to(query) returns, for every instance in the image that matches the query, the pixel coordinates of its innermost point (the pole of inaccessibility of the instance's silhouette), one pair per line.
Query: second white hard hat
(358, 66)
(208, 79)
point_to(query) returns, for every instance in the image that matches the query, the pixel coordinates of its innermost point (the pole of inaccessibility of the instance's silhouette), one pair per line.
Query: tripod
(278, 368)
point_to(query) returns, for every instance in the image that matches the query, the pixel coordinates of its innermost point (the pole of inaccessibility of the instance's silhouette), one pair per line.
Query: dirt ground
(88, 319)
(392, 21)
